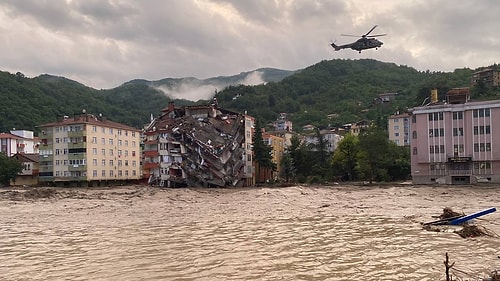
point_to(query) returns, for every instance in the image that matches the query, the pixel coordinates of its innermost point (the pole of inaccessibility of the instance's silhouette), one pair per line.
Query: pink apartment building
(455, 142)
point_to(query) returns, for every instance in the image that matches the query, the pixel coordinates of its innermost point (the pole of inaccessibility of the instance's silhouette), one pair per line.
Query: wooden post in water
(448, 266)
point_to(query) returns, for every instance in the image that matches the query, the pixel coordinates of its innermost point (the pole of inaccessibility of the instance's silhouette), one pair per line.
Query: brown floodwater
(291, 233)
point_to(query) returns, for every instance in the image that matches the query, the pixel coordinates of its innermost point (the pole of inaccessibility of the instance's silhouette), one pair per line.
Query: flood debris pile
(450, 218)
(195, 146)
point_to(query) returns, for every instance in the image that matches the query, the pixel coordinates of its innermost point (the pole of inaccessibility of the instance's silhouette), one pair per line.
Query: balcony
(151, 153)
(77, 145)
(150, 165)
(459, 159)
(76, 168)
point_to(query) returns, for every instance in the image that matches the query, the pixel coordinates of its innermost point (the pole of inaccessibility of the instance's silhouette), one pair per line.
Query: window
(126, 142)
(414, 134)
(110, 141)
(414, 118)
(396, 134)
(481, 130)
(111, 163)
(110, 131)
(458, 148)
(481, 112)
(396, 128)
(94, 128)
(103, 141)
(94, 139)
(111, 173)
(103, 173)
(133, 143)
(458, 115)
(103, 162)
(435, 116)
(103, 151)
(94, 162)
(414, 151)
(111, 152)
(458, 132)
(133, 153)
(94, 151)
(94, 173)
(119, 132)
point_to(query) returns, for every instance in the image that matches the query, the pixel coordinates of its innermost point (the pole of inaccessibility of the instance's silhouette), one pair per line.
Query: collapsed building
(199, 145)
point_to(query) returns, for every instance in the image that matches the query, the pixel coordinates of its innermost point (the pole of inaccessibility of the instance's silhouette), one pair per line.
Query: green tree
(319, 152)
(345, 157)
(287, 167)
(374, 154)
(9, 169)
(400, 167)
(261, 152)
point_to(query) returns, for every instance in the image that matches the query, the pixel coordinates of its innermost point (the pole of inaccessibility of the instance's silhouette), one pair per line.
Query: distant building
(399, 128)
(384, 98)
(330, 137)
(454, 142)
(17, 141)
(356, 128)
(29, 175)
(277, 145)
(88, 150)
(248, 155)
(489, 76)
(283, 124)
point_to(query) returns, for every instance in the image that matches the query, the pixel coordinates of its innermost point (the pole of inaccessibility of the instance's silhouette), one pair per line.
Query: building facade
(398, 126)
(454, 143)
(17, 141)
(29, 174)
(490, 77)
(88, 150)
(277, 145)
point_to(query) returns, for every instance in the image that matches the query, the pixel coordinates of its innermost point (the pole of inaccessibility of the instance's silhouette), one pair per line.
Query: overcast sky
(104, 43)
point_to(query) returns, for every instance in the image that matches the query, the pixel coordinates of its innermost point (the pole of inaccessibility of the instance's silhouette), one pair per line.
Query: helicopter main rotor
(366, 35)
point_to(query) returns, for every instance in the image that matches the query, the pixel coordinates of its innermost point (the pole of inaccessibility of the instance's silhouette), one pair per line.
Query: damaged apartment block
(199, 145)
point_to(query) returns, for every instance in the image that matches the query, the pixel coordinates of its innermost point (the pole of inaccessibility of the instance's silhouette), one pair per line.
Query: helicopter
(365, 42)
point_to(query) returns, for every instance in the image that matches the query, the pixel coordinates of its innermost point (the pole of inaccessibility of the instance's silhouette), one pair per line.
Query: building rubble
(195, 146)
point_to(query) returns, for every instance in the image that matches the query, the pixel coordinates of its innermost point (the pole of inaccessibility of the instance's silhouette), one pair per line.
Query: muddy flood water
(287, 233)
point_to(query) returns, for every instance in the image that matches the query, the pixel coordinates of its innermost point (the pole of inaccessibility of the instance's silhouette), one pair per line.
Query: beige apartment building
(88, 150)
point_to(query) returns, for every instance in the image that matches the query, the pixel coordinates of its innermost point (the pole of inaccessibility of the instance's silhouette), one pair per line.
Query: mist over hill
(194, 89)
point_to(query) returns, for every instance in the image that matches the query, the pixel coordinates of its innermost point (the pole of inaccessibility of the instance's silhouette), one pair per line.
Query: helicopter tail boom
(337, 48)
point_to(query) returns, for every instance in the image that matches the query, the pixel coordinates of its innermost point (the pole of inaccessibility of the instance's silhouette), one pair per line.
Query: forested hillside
(345, 89)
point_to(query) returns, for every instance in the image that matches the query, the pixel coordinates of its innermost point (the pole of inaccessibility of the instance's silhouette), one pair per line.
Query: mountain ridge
(340, 86)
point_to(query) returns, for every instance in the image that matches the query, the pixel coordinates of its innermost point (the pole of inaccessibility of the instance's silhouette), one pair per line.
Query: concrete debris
(195, 146)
